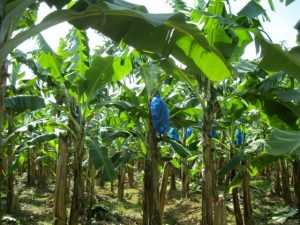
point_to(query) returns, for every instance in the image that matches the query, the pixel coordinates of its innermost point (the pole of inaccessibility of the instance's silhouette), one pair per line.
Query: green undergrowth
(36, 207)
(269, 208)
(128, 211)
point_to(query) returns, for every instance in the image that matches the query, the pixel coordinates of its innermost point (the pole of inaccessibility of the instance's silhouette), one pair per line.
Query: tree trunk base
(220, 212)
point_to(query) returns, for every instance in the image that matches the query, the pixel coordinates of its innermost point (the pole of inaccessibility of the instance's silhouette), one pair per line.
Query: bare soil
(36, 208)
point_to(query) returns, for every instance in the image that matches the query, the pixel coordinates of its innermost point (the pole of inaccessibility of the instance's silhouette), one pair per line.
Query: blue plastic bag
(77, 113)
(239, 138)
(214, 134)
(173, 134)
(160, 115)
(189, 132)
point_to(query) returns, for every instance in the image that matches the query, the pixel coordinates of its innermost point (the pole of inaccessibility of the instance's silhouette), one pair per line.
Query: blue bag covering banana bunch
(239, 138)
(173, 134)
(189, 132)
(160, 115)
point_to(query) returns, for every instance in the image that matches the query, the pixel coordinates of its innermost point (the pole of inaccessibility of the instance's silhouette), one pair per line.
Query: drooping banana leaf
(275, 59)
(109, 133)
(283, 142)
(102, 71)
(259, 162)
(21, 103)
(42, 138)
(178, 147)
(164, 34)
(232, 164)
(100, 158)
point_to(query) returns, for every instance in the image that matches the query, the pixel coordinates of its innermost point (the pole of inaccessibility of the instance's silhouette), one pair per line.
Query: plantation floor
(36, 208)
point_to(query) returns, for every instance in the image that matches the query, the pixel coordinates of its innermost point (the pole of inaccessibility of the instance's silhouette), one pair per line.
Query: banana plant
(15, 106)
(82, 14)
(77, 77)
(134, 102)
(74, 81)
(22, 99)
(267, 94)
(161, 27)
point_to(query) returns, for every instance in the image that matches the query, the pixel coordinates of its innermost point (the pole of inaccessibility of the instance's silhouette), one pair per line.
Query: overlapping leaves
(283, 142)
(100, 159)
(165, 34)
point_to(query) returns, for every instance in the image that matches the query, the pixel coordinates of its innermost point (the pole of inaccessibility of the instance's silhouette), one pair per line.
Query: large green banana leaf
(163, 34)
(21, 103)
(283, 142)
(100, 159)
(274, 58)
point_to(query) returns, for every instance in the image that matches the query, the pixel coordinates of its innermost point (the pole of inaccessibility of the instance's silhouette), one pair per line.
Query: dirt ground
(36, 207)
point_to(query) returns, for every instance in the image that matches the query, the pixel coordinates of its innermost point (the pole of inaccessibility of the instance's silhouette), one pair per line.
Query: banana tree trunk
(220, 212)
(121, 183)
(112, 188)
(29, 179)
(221, 164)
(30, 167)
(163, 187)
(90, 191)
(68, 182)
(3, 76)
(286, 193)
(236, 207)
(60, 213)
(184, 178)
(102, 184)
(297, 183)
(235, 192)
(10, 173)
(130, 173)
(77, 205)
(151, 206)
(208, 165)
(248, 219)
(269, 173)
(277, 185)
(42, 176)
(173, 179)
(236, 202)
(184, 181)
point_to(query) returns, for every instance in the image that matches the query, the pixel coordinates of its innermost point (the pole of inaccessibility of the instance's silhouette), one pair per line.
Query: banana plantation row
(166, 95)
